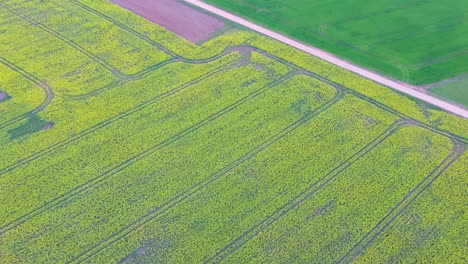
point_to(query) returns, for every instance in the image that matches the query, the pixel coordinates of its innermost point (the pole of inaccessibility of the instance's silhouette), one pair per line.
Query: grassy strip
(416, 41)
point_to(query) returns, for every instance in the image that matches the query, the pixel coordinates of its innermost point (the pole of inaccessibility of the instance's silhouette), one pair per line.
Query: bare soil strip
(174, 16)
(396, 85)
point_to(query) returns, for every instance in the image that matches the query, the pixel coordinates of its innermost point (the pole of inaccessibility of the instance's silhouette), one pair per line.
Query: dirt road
(399, 86)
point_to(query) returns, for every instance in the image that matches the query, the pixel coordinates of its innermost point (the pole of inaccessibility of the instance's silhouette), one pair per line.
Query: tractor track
(71, 43)
(361, 96)
(58, 145)
(144, 73)
(178, 58)
(117, 73)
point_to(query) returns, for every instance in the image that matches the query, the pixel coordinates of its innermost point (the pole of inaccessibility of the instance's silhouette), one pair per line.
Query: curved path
(399, 86)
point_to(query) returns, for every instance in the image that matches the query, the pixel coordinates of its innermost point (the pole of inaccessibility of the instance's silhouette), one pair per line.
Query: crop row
(364, 88)
(305, 194)
(50, 59)
(114, 23)
(211, 156)
(260, 42)
(281, 105)
(309, 114)
(403, 204)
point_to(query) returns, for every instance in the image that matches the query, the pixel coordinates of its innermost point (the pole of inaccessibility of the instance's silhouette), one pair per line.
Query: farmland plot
(239, 149)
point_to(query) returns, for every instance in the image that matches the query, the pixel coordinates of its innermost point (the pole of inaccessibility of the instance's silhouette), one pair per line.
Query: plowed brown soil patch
(177, 17)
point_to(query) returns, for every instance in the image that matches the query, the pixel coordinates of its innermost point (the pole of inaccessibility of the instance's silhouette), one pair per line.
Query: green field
(416, 41)
(123, 143)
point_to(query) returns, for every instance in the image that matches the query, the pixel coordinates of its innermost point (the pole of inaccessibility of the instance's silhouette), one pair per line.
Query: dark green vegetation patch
(32, 125)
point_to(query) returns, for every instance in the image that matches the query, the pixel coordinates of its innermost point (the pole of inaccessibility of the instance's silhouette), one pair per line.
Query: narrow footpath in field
(399, 86)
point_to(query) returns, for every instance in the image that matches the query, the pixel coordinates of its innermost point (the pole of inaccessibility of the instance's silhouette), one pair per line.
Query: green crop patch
(123, 142)
(415, 41)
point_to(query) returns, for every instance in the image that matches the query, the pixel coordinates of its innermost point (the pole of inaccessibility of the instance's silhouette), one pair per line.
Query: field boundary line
(366, 73)
(370, 100)
(236, 48)
(87, 254)
(306, 194)
(391, 63)
(136, 158)
(457, 150)
(48, 92)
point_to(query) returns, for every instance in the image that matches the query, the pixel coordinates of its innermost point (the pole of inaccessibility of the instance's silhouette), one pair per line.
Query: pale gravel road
(399, 86)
